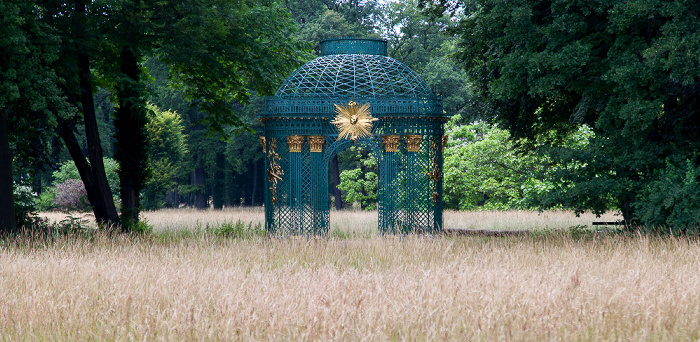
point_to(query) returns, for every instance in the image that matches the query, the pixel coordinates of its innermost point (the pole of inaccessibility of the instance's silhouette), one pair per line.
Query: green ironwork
(407, 139)
(357, 46)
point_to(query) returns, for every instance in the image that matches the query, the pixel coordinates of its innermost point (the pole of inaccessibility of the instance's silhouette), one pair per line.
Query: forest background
(585, 107)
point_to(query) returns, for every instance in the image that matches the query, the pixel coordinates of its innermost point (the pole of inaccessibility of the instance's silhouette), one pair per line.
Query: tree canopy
(629, 69)
(28, 90)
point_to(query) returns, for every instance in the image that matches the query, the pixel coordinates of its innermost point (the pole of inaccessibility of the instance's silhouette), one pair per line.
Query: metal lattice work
(354, 75)
(405, 121)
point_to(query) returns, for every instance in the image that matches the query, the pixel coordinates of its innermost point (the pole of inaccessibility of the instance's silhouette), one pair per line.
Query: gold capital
(413, 142)
(316, 143)
(391, 142)
(295, 142)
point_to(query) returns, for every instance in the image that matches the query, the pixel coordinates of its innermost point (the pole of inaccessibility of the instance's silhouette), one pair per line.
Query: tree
(629, 69)
(215, 50)
(446, 79)
(483, 169)
(414, 38)
(80, 23)
(419, 42)
(27, 92)
(167, 150)
(324, 19)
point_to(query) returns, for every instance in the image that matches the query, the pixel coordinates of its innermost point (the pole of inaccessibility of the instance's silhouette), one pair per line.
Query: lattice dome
(354, 75)
(353, 69)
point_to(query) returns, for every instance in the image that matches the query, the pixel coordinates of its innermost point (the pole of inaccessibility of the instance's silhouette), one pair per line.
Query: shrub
(23, 195)
(68, 171)
(71, 195)
(46, 200)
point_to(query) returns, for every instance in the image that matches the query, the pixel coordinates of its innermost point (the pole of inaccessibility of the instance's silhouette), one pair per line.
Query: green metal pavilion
(355, 83)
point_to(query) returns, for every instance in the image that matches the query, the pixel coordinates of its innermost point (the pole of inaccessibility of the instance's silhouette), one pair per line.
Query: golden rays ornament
(353, 121)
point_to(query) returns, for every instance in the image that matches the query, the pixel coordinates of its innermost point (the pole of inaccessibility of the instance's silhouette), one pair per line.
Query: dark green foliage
(444, 77)
(629, 69)
(321, 19)
(27, 93)
(671, 199)
(219, 50)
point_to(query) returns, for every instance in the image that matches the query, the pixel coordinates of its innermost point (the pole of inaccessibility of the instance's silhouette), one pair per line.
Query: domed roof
(354, 76)
(353, 68)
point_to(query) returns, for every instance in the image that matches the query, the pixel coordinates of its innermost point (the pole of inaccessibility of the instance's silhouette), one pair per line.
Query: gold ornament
(413, 142)
(316, 143)
(391, 143)
(434, 144)
(353, 121)
(435, 174)
(274, 172)
(262, 142)
(444, 142)
(295, 142)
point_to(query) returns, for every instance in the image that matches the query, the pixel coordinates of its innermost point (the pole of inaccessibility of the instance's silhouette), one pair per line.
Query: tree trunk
(8, 220)
(200, 200)
(335, 176)
(627, 212)
(129, 125)
(101, 199)
(219, 184)
(172, 198)
(255, 182)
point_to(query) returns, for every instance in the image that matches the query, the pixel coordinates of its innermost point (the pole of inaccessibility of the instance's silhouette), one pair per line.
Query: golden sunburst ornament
(353, 121)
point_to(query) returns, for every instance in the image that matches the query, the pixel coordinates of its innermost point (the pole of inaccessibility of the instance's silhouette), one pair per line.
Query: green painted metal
(359, 70)
(358, 46)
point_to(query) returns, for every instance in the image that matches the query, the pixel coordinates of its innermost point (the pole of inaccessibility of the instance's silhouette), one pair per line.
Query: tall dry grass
(359, 223)
(363, 286)
(522, 220)
(543, 287)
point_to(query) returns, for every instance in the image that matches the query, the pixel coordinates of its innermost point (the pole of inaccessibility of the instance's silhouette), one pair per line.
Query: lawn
(183, 282)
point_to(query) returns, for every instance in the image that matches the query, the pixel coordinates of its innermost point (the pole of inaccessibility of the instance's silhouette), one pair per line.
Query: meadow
(185, 282)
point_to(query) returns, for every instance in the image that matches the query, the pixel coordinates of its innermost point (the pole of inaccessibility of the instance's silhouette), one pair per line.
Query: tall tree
(629, 69)
(215, 50)
(414, 37)
(167, 150)
(27, 92)
(78, 22)
(324, 19)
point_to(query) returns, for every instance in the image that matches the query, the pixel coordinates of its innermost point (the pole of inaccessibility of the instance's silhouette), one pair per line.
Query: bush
(71, 195)
(68, 171)
(23, 194)
(46, 200)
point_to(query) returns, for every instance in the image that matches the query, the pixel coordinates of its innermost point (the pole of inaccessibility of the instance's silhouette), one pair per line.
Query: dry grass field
(362, 286)
(359, 222)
